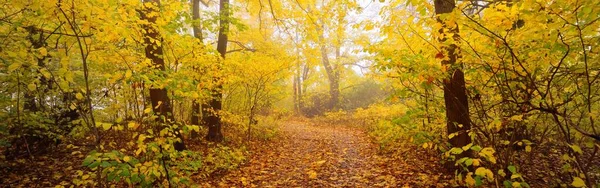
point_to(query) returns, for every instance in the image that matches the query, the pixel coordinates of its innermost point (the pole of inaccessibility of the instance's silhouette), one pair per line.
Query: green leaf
(586, 10)
(88, 160)
(125, 173)
(112, 176)
(105, 164)
(512, 169)
(476, 148)
(469, 162)
(135, 178)
(31, 87)
(94, 164)
(478, 181)
(456, 151)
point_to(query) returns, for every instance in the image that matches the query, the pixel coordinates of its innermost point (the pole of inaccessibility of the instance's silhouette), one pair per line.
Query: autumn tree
(455, 96)
(197, 29)
(211, 117)
(161, 104)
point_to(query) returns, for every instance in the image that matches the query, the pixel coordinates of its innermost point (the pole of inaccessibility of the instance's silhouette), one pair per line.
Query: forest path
(312, 155)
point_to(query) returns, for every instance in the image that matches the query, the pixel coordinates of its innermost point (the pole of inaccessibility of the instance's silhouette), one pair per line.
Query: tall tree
(455, 96)
(211, 117)
(332, 74)
(154, 51)
(198, 34)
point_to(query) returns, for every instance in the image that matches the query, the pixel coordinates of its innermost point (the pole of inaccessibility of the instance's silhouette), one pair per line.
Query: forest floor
(306, 154)
(303, 154)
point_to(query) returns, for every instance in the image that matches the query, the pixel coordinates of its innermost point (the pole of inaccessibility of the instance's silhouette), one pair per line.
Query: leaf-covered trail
(312, 155)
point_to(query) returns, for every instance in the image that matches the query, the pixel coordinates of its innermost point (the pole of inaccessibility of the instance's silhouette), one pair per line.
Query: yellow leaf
(79, 96)
(578, 182)
(576, 149)
(14, 66)
(137, 152)
(319, 163)
(517, 118)
(501, 173)
(452, 135)
(489, 174)
(147, 110)
(244, 181)
(45, 73)
(43, 51)
(515, 176)
(480, 171)
(132, 125)
(312, 174)
(469, 179)
(425, 145)
(528, 148)
(128, 74)
(467, 147)
(369, 26)
(126, 158)
(31, 86)
(488, 153)
(516, 184)
(106, 126)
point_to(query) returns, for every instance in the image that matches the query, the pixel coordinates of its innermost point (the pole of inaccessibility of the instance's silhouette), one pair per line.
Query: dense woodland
(299, 93)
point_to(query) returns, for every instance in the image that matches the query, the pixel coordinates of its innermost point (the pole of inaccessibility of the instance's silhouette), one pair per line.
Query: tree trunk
(212, 119)
(158, 96)
(295, 96)
(455, 96)
(332, 75)
(198, 34)
(302, 87)
(195, 117)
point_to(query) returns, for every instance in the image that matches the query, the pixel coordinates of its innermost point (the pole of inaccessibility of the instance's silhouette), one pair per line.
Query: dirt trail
(314, 156)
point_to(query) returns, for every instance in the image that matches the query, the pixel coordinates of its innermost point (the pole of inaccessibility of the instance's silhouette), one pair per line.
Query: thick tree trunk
(158, 96)
(455, 96)
(212, 119)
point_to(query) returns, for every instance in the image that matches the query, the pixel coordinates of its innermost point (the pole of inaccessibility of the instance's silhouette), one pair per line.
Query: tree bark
(296, 91)
(455, 96)
(198, 34)
(212, 118)
(332, 75)
(159, 97)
